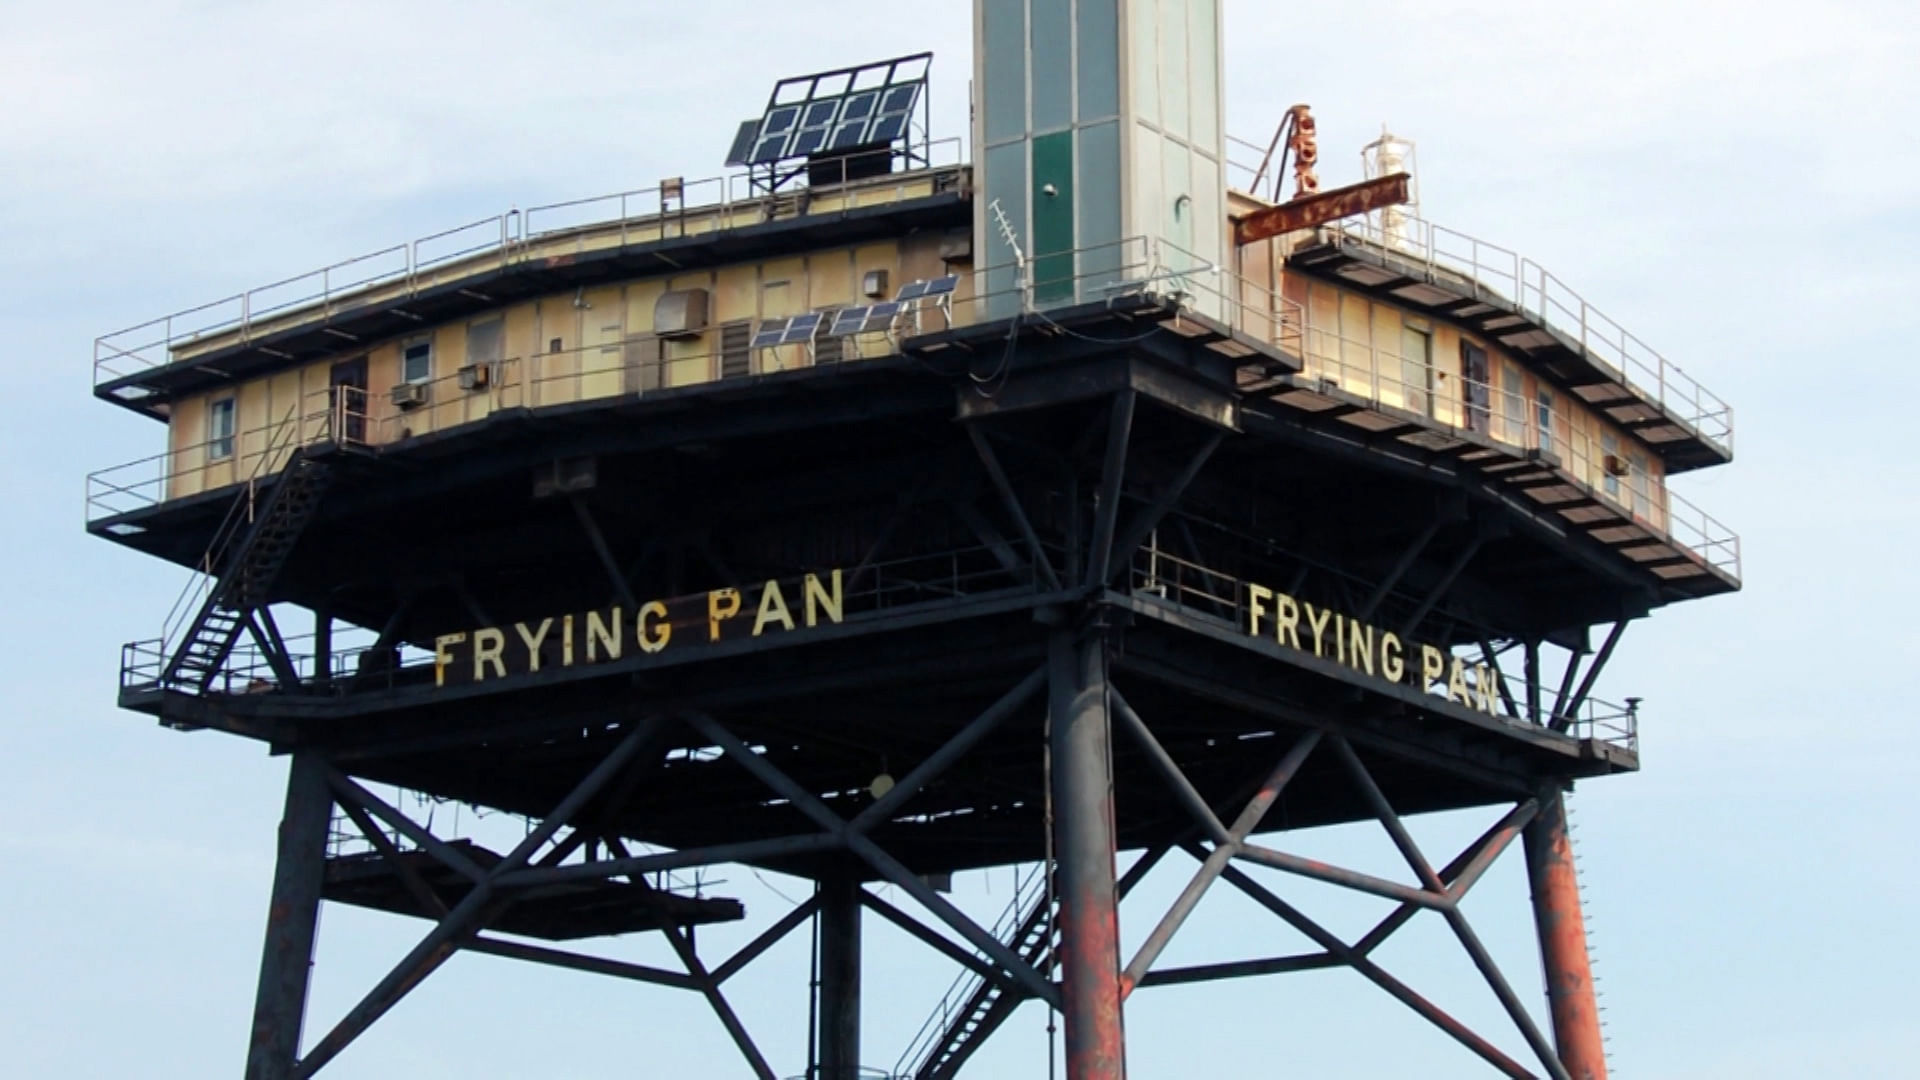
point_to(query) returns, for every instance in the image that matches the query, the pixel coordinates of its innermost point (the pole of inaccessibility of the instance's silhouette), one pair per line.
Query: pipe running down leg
(839, 1036)
(1563, 941)
(1080, 742)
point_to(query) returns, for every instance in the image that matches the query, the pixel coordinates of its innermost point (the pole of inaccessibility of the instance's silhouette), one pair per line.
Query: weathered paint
(1563, 941)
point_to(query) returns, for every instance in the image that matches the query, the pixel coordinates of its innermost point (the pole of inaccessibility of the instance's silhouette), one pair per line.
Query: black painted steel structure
(1049, 630)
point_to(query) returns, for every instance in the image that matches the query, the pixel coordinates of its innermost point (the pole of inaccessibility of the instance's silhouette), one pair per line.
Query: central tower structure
(872, 516)
(1100, 136)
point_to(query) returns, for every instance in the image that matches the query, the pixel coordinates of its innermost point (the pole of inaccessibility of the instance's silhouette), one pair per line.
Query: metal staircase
(951, 1034)
(240, 567)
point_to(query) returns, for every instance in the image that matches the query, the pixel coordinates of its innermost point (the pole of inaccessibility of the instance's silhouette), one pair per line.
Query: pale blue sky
(1733, 181)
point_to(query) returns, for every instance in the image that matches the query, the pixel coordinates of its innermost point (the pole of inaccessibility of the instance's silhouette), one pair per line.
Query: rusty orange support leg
(1084, 858)
(1563, 941)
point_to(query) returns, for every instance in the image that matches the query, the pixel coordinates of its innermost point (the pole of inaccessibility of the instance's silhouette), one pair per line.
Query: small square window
(416, 361)
(220, 429)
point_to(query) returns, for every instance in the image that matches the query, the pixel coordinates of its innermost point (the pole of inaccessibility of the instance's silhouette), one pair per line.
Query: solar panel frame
(769, 333)
(880, 316)
(801, 328)
(848, 321)
(744, 140)
(836, 110)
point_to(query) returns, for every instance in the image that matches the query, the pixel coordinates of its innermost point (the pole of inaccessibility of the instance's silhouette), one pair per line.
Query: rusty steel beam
(1322, 207)
(1563, 941)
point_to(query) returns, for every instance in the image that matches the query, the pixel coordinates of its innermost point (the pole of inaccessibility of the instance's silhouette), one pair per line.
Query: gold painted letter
(1432, 666)
(1257, 597)
(1483, 692)
(721, 604)
(441, 657)
(533, 640)
(1317, 625)
(1360, 646)
(603, 635)
(655, 637)
(820, 601)
(487, 646)
(1393, 662)
(1286, 620)
(773, 608)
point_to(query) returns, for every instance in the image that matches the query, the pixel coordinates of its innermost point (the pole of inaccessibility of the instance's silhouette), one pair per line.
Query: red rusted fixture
(1322, 207)
(1563, 941)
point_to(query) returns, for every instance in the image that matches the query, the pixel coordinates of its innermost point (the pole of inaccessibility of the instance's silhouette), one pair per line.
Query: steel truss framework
(1086, 945)
(1071, 564)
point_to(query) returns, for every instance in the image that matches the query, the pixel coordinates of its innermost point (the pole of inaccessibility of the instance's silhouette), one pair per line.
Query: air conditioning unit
(680, 314)
(1615, 465)
(475, 376)
(409, 395)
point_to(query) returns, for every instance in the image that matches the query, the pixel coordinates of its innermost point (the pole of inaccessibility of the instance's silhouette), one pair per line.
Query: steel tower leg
(1080, 742)
(293, 914)
(1563, 941)
(840, 977)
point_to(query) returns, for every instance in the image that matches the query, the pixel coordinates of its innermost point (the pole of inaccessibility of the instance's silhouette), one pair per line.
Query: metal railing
(1454, 259)
(357, 661)
(1383, 376)
(1030, 885)
(633, 365)
(509, 237)
(1216, 596)
(244, 457)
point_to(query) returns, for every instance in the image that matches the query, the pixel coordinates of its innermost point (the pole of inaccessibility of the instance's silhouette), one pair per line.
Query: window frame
(1543, 403)
(1417, 398)
(1513, 409)
(407, 346)
(221, 446)
(1609, 481)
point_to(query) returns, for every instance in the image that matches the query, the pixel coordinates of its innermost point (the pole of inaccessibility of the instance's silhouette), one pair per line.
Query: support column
(839, 977)
(1563, 941)
(1083, 838)
(293, 915)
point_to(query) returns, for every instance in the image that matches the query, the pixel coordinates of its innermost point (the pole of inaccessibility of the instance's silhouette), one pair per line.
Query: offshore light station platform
(1118, 499)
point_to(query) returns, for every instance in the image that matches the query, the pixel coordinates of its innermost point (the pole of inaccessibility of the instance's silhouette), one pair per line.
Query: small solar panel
(880, 317)
(943, 286)
(847, 321)
(781, 119)
(801, 328)
(900, 99)
(848, 135)
(744, 141)
(887, 129)
(912, 290)
(771, 332)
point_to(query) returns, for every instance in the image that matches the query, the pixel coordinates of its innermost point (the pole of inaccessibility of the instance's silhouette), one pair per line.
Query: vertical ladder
(241, 565)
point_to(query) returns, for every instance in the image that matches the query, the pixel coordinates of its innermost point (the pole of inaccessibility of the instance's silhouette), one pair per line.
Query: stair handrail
(927, 1042)
(206, 573)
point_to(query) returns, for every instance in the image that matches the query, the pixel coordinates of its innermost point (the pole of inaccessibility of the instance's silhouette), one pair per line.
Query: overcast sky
(1733, 181)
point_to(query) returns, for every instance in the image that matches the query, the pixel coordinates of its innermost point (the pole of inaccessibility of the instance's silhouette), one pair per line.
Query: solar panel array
(793, 330)
(940, 286)
(834, 111)
(874, 318)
